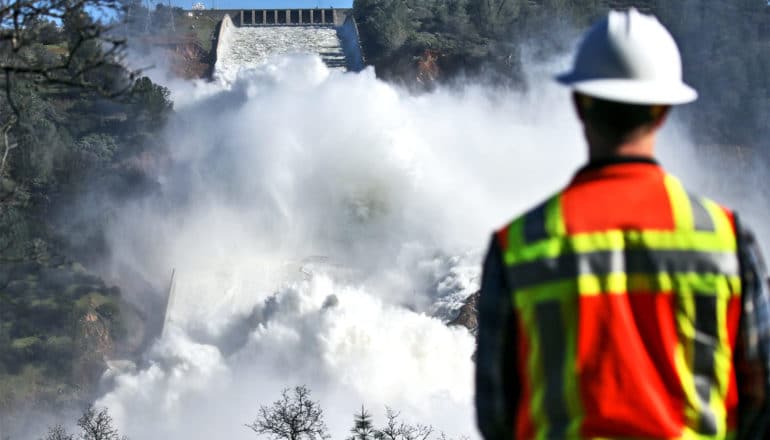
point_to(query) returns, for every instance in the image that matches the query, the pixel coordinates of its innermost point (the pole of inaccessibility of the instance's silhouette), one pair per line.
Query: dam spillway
(244, 47)
(252, 46)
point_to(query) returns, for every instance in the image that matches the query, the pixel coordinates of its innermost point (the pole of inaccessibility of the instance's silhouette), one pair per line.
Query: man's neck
(636, 146)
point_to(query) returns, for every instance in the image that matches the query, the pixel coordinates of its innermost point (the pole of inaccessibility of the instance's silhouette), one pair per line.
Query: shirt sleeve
(752, 355)
(496, 388)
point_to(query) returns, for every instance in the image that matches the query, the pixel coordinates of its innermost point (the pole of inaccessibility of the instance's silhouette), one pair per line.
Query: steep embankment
(58, 325)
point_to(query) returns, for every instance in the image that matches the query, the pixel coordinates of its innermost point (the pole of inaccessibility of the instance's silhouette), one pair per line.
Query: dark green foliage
(58, 139)
(469, 36)
(495, 17)
(724, 47)
(92, 151)
(40, 306)
(363, 428)
(151, 103)
(46, 31)
(724, 55)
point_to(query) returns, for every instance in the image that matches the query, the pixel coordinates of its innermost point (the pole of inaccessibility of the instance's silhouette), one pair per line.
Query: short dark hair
(616, 120)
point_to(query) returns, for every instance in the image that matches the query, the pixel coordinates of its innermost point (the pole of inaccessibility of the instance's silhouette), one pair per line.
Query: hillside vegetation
(180, 41)
(73, 119)
(724, 47)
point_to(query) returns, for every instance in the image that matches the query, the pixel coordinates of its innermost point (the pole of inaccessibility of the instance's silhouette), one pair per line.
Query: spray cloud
(324, 226)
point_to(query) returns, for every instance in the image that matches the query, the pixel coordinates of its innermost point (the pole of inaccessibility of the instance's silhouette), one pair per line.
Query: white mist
(324, 227)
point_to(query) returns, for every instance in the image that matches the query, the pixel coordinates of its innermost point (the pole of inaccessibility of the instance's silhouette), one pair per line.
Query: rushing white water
(324, 227)
(248, 47)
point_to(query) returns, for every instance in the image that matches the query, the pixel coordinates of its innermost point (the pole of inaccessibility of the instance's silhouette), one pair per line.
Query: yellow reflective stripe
(684, 237)
(515, 240)
(686, 318)
(554, 220)
(622, 283)
(535, 372)
(722, 223)
(553, 226)
(685, 376)
(680, 204)
(555, 404)
(700, 226)
(722, 366)
(724, 356)
(686, 359)
(689, 434)
(615, 240)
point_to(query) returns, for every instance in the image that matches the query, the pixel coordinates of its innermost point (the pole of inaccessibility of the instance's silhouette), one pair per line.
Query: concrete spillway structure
(280, 17)
(249, 37)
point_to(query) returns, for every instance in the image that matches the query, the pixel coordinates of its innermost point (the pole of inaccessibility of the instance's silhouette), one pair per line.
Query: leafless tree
(293, 417)
(397, 430)
(57, 432)
(94, 425)
(97, 425)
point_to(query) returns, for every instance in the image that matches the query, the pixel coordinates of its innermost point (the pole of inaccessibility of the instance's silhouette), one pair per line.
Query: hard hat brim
(631, 91)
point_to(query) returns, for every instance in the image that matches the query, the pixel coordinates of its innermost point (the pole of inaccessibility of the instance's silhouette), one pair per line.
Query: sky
(266, 4)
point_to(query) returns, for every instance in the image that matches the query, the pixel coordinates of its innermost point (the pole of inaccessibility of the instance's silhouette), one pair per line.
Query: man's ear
(660, 113)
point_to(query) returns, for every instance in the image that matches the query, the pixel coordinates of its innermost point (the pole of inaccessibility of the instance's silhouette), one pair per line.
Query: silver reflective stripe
(701, 218)
(630, 261)
(703, 369)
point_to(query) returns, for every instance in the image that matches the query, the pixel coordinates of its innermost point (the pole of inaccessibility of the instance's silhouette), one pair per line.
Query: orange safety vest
(626, 289)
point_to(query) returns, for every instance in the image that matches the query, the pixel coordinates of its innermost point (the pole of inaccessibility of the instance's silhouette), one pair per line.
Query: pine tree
(363, 429)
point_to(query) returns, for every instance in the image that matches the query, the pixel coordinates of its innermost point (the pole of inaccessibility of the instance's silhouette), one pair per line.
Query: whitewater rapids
(324, 227)
(243, 48)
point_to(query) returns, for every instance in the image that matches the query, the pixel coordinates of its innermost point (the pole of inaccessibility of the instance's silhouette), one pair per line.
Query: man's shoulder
(535, 211)
(708, 200)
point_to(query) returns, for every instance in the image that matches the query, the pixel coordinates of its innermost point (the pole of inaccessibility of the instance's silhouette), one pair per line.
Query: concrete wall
(351, 44)
(280, 17)
(343, 21)
(225, 23)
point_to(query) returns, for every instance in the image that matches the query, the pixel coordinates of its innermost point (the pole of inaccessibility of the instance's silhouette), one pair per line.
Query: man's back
(624, 307)
(627, 294)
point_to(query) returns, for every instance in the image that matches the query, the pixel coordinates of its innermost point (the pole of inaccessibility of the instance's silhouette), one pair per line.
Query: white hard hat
(631, 58)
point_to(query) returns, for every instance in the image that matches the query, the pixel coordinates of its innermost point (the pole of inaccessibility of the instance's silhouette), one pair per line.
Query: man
(624, 306)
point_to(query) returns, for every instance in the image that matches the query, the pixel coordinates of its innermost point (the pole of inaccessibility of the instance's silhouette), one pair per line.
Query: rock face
(94, 341)
(187, 59)
(468, 315)
(58, 323)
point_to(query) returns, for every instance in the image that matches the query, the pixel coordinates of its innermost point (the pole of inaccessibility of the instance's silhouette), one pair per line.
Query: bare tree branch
(7, 145)
(292, 417)
(58, 432)
(396, 430)
(97, 425)
(92, 46)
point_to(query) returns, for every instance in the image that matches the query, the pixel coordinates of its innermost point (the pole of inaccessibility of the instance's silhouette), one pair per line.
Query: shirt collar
(617, 166)
(615, 160)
